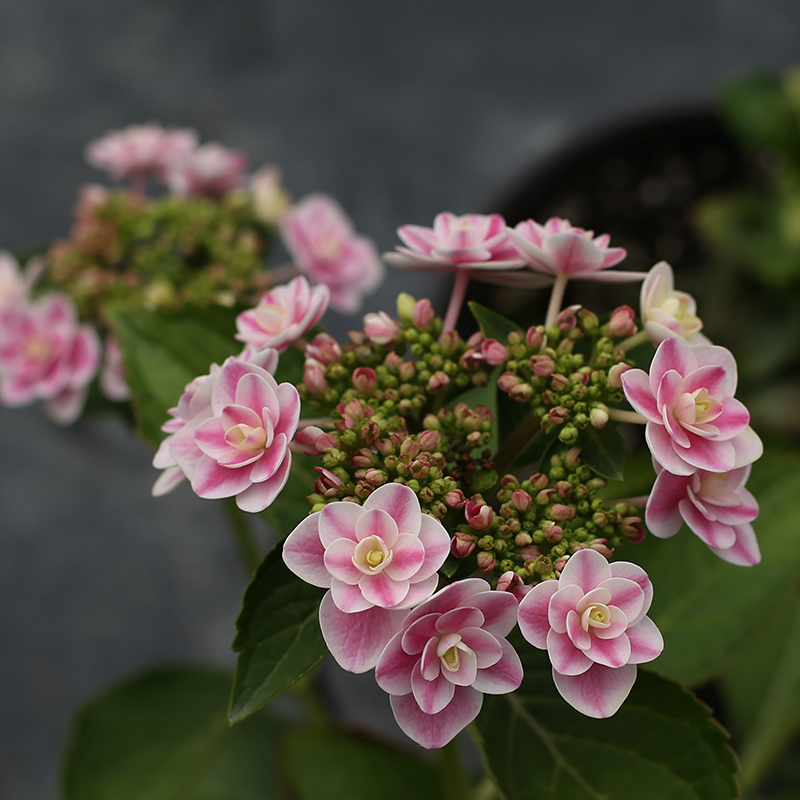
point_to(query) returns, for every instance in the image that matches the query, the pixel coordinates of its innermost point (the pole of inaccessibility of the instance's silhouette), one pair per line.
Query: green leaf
(763, 691)
(492, 324)
(348, 766)
(604, 451)
(165, 349)
(662, 744)
(278, 637)
(164, 735)
(709, 610)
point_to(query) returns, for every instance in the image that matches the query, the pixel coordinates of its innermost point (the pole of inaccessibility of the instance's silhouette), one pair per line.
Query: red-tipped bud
(381, 328)
(462, 544)
(542, 366)
(534, 337)
(621, 322)
(423, 314)
(314, 376)
(521, 500)
(479, 515)
(324, 348)
(364, 379)
(493, 352)
(486, 561)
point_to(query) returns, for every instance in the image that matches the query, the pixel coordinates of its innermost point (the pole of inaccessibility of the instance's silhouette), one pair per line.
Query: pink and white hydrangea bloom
(715, 506)
(666, 312)
(322, 243)
(140, 151)
(557, 248)
(46, 354)
(376, 560)
(450, 650)
(210, 170)
(472, 242)
(592, 622)
(194, 407)
(693, 420)
(283, 315)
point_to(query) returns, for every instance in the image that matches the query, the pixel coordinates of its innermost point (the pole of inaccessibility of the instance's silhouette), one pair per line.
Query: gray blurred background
(400, 110)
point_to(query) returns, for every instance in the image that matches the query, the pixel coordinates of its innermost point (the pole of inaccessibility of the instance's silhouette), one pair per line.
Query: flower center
(37, 348)
(697, 407)
(245, 437)
(372, 555)
(677, 306)
(329, 248)
(449, 651)
(596, 615)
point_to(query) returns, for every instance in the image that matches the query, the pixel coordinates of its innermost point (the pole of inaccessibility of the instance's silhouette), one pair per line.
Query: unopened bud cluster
(161, 252)
(540, 522)
(568, 373)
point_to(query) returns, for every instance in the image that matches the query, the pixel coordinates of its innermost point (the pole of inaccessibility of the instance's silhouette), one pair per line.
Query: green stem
(519, 439)
(634, 341)
(454, 781)
(243, 535)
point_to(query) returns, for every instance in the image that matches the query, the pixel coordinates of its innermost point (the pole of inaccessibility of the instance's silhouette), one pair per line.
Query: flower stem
(556, 297)
(243, 535)
(456, 300)
(634, 341)
(620, 415)
(454, 781)
(519, 439)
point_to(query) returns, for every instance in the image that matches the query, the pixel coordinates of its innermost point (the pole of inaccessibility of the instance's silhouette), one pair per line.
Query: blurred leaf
(709, 610)
(758, 110)
(165, 349)
(661, 744)
(492, 324)
(332, 765)
(278, 637)
(763, 689)
(604, 451)
(164, 735)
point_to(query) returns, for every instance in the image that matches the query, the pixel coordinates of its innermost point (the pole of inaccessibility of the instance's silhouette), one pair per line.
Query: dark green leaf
(163, 350)
(278, 637)
(604, 451)
(662, 744)
(328, 765)
(709, 610)
(492, 324)
(164, 735)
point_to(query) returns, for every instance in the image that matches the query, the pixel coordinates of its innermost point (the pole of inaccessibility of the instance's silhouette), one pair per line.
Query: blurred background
(400, 111)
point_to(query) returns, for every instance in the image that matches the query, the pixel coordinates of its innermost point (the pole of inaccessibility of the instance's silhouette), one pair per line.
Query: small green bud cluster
(565, 373)
(543, 520)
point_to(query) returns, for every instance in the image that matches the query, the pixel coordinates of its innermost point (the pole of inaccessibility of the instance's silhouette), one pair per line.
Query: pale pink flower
(592, 623)
(112, 376)
(283, 315)
(140, 151)
(715, 506)
(210, 170)
(193, 408)
(668, 313)
(558, 248)
(380, 327)
(375, 559)
(693, 420)
(45, 354)
(472, 243)
(448, 653)
(270, 200)
(15, 284)
(322, 243)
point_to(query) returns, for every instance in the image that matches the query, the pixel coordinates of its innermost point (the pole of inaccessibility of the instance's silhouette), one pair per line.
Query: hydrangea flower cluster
(191, 229)
(430, 546)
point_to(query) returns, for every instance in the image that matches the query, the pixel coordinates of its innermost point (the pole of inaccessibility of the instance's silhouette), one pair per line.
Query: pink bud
(542, 366)
(381, 328)
(327, 484)
(632, 529)
(598, 417)
(521, 393)
(479, 515)
(314, 376)
(462, 544)
(307, 440)
(493, 352)
(455, 498)
(406, 371)
(567, 319)
(534, 338)
(615, 374)
(621, 322)
(552, 532)
(530, 553)
(324, 348)
(364, 379)
(559, 382)
(508, 380)
(486, 561)
(438, 381)
(561, 512)
(557, 414)
(521, 500)
(429, 440)
(423, 314)
(511, 582)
